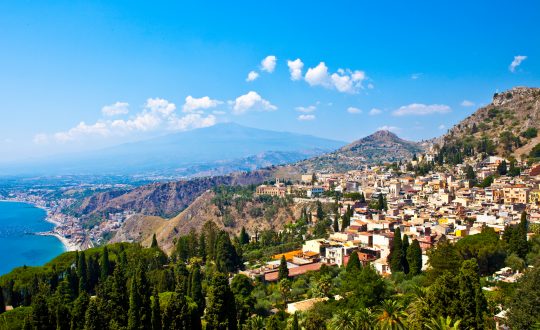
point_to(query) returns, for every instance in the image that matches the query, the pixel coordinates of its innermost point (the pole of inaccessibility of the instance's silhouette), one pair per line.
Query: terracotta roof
(273, 276)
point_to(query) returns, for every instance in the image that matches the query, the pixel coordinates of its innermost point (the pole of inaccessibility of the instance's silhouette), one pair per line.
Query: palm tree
(364, 319)
(391, 315)
(443, 324)
(255, 323)
(343, 320)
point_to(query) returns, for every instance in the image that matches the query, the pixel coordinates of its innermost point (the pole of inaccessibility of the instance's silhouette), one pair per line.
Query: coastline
(68, 244)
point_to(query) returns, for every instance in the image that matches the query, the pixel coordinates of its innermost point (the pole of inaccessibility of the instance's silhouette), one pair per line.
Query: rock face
(163, 199)
(503, 122)
(379, 147)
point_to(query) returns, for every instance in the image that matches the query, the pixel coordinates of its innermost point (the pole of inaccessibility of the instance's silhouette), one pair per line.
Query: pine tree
(283, 272)
(139, 313)
(105, 264)
(156, 312)
(404, 248)
(396, 253)
(414, 258)
(154, 244)
(354, 263)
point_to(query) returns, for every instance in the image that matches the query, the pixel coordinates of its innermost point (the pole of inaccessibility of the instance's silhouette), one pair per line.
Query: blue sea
(18, 247)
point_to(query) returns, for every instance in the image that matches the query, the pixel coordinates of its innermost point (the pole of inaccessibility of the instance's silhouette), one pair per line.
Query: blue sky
(79, 75)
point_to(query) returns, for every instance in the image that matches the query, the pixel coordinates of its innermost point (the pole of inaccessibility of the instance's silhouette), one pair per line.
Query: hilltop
(507, 126)
(379, 147)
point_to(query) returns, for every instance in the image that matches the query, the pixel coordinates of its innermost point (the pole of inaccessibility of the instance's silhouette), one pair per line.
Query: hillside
(161, 199)
(231, 208)
(507, 126)
(379, 147)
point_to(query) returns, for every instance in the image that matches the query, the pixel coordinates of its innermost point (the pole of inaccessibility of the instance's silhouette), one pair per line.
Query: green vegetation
(530, 133)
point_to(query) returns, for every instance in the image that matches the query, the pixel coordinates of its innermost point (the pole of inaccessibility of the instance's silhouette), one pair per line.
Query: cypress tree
(221, 309)
(139, 313)
(78, 313)
(335, 224)
(2, 301)
(404, 248)
(244, 237)
(135, 303)
(226, 256)
(93, 319)
(414, 258)
(82, 272)
(196, 288)
(320, 212)
(283, 272)
(154, 244)
(396, 253)
(118, 298)
(40, 313)
(182, 278)
(354, 263)
(295, 325)
(105, 264)
(156, 312)
(471, 298)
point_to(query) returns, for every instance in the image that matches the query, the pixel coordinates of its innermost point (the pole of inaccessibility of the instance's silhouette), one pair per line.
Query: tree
(179, 315)
(244, 237)
(196, 288)
(105, 264)
(320, 212)
(139, 313)
(294, 322)
(78, 313)
(414, 258)
(442, 323)
(472, 301)
(524, 309)
(283, 272)
(93, 319)
(470, 174)
(221, 307)
(154, 244)
(396, 253)
(502, 168)
(335, 224)
(443, 258)
(40, 313)
(82, 272)
(343, 320)
(353, 265)
(156, 312)
(2, 301)
(391, 315)
(285, 289)
(404, 248)
(226, 256)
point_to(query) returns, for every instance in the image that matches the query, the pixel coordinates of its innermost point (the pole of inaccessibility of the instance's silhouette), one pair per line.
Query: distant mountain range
(215, 150)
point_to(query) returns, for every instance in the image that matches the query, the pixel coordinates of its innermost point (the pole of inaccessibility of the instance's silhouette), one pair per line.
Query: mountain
(379, 147)
(215, 150)
(507, 126)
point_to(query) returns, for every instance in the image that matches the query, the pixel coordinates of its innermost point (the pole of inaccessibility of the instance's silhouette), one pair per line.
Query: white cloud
(251, 101)
(370, 86)
(353, 110)
(160, 106)
(307, 109)
(374, 112)
(191, 121)
(269, 63)
(252, 75)
(467, 103)
(318, 76)
(415, 76)
(193, 104)
(295, 68)
(345, 81)
(421, 109)
(218, 112)
(118, 108)
(41, 138)
(516, 62)
(389, 128)
(158, 114)
(441, 126)
(306, 117)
